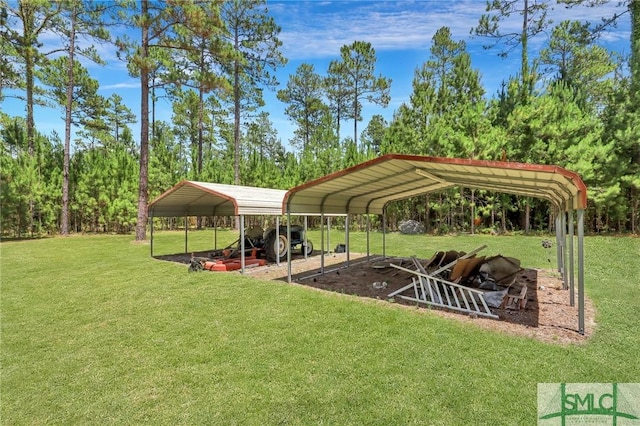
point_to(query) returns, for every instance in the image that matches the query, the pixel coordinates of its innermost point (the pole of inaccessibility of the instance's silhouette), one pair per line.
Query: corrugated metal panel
(367, 187)
(192, 198)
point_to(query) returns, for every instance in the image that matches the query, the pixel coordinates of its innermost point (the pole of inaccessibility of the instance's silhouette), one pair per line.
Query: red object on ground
(234, 264)
(229, 266)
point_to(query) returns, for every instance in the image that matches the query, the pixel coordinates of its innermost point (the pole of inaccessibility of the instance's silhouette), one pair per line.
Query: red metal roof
(369, 186)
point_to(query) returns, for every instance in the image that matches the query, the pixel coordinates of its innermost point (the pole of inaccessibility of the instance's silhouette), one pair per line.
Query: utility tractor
(272, 246)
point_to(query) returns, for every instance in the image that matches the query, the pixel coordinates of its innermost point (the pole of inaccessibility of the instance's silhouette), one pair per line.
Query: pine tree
(355, 71)
(254, 37)
(303, 97)
(534, 22)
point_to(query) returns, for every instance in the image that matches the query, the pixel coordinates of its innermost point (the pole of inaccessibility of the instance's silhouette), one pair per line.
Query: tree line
(575, 105)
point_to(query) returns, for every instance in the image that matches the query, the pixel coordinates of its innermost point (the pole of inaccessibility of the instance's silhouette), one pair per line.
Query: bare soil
(547, 316)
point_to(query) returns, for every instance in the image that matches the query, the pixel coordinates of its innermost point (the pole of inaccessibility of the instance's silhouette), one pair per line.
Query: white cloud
(313, 30)
(133, 84)
(320, 32)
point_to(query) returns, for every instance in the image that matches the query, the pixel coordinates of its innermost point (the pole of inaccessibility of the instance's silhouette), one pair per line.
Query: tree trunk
(141, 225)
(236, 115)
(525, 58)
(356, 114)
(67, 127)
(29, 74)
(200, 142)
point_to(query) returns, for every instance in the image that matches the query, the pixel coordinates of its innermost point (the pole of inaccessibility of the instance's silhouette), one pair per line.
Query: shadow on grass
(7, 239)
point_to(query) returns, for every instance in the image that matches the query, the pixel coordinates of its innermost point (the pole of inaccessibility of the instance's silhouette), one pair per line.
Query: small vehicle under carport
(277, 244)
(258, 243)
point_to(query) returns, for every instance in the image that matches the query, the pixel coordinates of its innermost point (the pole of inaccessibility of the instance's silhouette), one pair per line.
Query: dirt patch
(547, 316)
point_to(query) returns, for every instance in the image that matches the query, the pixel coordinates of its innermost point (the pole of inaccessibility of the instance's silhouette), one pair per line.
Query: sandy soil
(547, 316)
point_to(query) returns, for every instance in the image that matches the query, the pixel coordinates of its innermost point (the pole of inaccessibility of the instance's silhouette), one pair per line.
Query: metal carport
(369, 187)
(191, 198)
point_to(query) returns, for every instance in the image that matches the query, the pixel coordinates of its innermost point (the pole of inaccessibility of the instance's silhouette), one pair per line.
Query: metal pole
(571, 261)
(368, 220)
(321, 241)
(288, 239)
(346, 237)
(565, 278)
(289, 251)
(581, 270)
(278, 240)
(185, 234)
(305, 238)
(151, 227)
(242, 262)
(328, 234)
(558, 241)
(384, 233)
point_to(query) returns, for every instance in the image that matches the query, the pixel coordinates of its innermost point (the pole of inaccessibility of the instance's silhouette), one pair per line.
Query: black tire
(271, 247)
(308, 247)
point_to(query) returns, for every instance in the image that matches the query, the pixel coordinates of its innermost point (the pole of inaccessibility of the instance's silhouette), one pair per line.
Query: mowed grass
(95, 331)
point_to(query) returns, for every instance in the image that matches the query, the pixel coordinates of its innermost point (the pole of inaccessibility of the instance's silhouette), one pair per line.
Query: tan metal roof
(368, 187)
(189, 198)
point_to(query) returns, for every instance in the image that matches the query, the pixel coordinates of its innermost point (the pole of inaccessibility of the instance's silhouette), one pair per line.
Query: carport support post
(581, 270)
(288, 251)
(328, 234)
(151, 228)
(571, 260)
(559, 243)
(563, 240)
(304, 247)
(368, 220)
(384, 233)
(565, 252)
(242, 263)
(346, 237)
(278, 238)
(322, 240)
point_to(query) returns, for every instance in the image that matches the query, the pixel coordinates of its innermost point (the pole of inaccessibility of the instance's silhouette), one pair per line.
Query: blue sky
(314, 31)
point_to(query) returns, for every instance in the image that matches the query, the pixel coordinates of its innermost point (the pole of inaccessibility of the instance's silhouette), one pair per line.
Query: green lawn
(95, 331)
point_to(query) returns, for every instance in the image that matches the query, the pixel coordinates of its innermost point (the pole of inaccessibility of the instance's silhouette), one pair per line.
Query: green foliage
(212, 60)
(303, 96)
(573, 59)
(622, 176)
(253, 33)
(354, 76)
(9, 74)
(446, 115)
(265, 154)
(534, 22)
(373, 136)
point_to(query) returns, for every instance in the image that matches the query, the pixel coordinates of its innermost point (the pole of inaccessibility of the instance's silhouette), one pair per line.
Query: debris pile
(464, 282)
